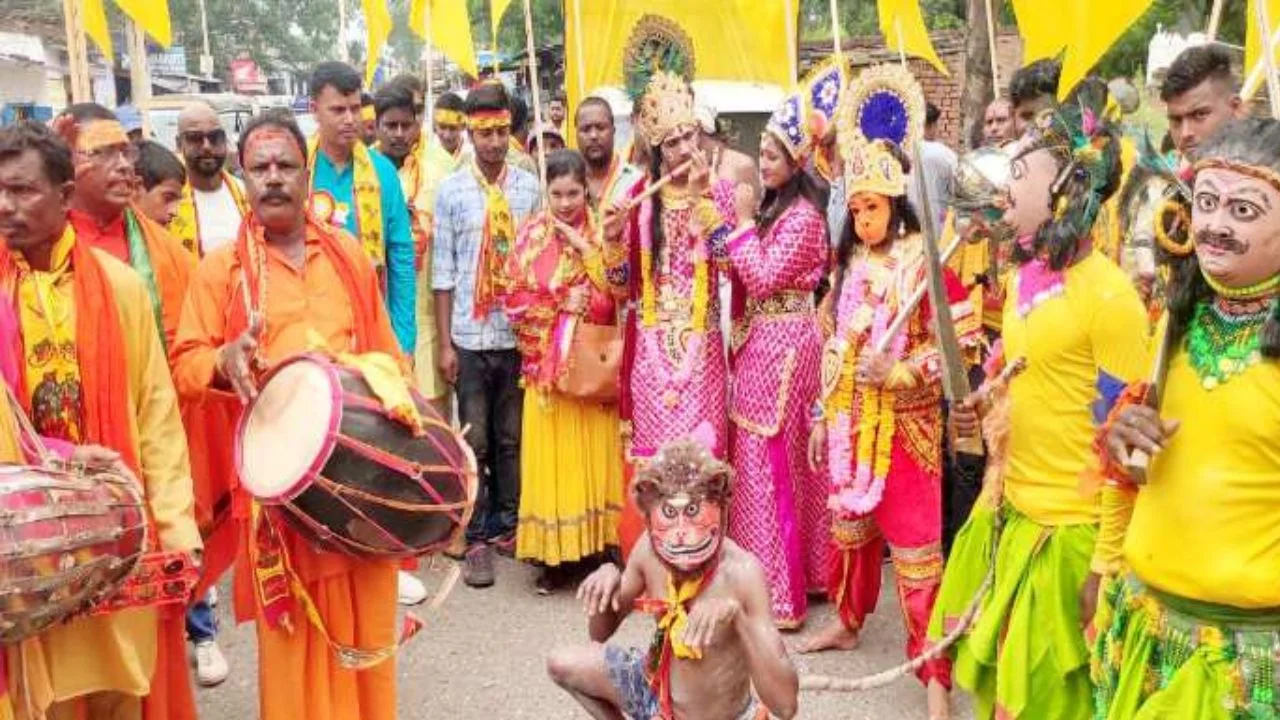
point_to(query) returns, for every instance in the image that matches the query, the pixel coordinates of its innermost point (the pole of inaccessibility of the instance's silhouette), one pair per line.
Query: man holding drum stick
(290, 285)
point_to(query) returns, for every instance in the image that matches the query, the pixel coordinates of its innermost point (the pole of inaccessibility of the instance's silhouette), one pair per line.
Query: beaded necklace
(1221, 343)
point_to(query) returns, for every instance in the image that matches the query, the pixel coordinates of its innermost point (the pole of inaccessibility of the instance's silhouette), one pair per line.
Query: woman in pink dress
(779, 510)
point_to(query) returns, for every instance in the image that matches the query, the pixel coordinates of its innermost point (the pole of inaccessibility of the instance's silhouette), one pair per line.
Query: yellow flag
(497, 8)
(902, 25)
(94, 17)
(377, 22)
(1093, 27)
(1254, 78)
(732, 39)
(1041, 26)
(450, 30)
(150, 15)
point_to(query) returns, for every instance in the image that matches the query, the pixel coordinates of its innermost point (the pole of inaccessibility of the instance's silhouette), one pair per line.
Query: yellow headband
(100, 133)
(489, 119)
(450, 117)
(366, 113)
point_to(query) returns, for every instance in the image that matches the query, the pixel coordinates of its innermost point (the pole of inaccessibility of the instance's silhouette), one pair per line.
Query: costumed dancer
(879, 425)
(780, 512)
(715, 650)
(104, 216)
(1190, 621)
(88, 365)
(557, 300)
(1072, 315)
(309, 285)
(672, 253)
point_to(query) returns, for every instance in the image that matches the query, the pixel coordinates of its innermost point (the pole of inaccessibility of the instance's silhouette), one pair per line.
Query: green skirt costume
(1167, 657)
(1026, 656)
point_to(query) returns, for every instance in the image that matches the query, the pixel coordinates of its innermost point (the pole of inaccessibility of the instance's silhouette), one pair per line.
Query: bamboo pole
(835, 30)
(995, 58)
(1215, 19)
(139, 76)
(1269, 58)
(77, 53)
(342, 31)
(580, 60)
(537, 94)
(1255, 78)
(793, 54)
(428, 123)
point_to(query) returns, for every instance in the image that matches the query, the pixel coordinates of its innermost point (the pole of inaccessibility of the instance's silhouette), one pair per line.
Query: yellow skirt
(570, 479)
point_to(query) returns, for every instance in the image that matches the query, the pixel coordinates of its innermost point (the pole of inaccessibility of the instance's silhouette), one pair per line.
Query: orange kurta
(166, 272)
(299, 675)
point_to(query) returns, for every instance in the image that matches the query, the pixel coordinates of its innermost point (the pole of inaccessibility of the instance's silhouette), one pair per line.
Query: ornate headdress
(884, 105)
(658, 64)
(685, 467)
(806, 116)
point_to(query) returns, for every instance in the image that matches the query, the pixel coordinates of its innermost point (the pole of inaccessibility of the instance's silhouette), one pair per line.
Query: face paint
(871, 216)
(100, 133)
(1233, 221)
(686, 532)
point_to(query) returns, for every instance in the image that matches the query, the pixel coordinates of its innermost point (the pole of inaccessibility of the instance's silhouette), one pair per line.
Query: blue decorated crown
(806, 116)
(884, 105)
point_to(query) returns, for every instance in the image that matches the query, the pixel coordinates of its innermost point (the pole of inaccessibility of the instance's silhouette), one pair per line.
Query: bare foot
(835, 636)
(939, 701)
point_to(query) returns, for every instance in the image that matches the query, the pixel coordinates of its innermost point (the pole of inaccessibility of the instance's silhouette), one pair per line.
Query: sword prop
(955, 376)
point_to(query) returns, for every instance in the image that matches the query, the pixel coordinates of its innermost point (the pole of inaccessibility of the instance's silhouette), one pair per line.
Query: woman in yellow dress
(571, 456)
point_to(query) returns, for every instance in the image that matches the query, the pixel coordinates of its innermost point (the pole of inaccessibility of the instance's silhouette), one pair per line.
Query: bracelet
(817, 413)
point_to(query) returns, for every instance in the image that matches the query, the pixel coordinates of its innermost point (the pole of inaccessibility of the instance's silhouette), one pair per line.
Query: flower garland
(857, 488)
(705, 221)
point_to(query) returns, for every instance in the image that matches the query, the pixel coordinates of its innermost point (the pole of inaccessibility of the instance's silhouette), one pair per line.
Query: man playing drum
(80, 348)
(290, 285)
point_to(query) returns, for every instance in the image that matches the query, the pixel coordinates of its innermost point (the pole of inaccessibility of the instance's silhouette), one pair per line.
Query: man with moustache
(322, 285)
(609, 176)
(213, 199)
(997, 123)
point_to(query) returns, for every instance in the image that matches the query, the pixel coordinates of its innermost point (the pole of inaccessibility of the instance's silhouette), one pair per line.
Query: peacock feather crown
(658, 64)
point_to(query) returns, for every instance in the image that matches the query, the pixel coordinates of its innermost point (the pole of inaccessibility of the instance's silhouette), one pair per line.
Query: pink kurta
(780, 507)
(674, 377)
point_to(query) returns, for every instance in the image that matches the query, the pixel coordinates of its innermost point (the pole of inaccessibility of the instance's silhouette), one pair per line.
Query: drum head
(288, 431)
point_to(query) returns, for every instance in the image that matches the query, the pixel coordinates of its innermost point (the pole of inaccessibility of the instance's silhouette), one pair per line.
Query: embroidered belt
(788, 302)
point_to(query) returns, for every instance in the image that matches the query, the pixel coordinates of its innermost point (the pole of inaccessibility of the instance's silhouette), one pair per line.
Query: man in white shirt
(939, 167)
(213, 200)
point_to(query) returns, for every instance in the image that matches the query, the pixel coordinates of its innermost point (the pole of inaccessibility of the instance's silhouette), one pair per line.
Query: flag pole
(77, 53)
(1215, 19)
(793, 53)
(537, 95)
(430, 109)
(1254, 80)
(902, 48)
(835, 30)
(1269, 58)
(579, 58)
(995, 60)
(139, 78)
(342, 31)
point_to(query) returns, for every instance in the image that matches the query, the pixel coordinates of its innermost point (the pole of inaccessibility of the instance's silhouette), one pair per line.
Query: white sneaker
(411, 589)
(211, 666)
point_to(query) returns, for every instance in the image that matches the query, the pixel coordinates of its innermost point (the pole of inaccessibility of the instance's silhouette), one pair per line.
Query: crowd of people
(706, 387)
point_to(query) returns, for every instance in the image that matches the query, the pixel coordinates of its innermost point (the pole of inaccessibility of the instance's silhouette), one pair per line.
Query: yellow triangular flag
(1040, 24)
(94, 18)
(1255, 79)
(450, 31)
(1093, 27)
(902, 24)
(377, 22)
(497, 8)
(150, 15)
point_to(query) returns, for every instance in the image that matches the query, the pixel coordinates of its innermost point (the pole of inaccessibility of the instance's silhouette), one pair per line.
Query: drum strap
(278, 587)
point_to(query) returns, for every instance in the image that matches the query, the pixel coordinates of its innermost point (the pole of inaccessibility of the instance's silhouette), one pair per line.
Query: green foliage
(860, 17)
(548, 25)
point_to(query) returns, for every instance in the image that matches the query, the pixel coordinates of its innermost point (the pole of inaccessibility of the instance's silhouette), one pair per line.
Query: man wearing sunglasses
(213, 199)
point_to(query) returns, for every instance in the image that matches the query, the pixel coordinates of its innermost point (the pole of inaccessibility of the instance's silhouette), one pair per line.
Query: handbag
(592, 363)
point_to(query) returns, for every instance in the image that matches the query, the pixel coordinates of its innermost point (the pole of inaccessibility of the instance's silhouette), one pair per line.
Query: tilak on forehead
(96, 134)
(269, 133)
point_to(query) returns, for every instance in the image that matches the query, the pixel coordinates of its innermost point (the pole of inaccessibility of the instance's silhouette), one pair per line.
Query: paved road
(481, 658)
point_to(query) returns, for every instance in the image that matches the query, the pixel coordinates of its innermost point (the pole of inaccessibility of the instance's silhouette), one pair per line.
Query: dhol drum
(318, 445)
(67, 541)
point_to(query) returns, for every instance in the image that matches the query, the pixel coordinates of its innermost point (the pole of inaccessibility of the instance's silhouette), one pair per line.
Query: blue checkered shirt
(455, 254)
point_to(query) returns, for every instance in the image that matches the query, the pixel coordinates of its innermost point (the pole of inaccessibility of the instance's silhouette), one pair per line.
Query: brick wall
(941, 90)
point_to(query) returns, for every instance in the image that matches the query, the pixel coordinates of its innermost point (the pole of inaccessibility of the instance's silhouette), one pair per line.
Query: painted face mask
(871, 216)
(686, 532)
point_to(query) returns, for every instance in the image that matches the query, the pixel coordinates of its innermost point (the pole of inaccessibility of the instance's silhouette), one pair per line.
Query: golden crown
(666, 106)
(872, 167)
(882, 109)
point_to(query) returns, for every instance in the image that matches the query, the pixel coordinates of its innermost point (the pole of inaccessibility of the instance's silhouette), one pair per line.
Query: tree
(979, 86)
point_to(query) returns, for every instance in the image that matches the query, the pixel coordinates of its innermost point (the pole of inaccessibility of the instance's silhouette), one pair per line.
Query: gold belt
(789, 302)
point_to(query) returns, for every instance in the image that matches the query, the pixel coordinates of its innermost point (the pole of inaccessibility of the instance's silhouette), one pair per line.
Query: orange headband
(489, 119)
(100, 133)
(450, 117)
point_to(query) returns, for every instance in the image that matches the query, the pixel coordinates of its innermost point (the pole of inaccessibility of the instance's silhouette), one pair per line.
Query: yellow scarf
(676, 619)
(186, 224)
(47, 311)
(498, 236)
(367, 192)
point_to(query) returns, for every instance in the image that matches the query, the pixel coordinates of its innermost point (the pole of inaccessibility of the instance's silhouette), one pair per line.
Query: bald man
(213, 201)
